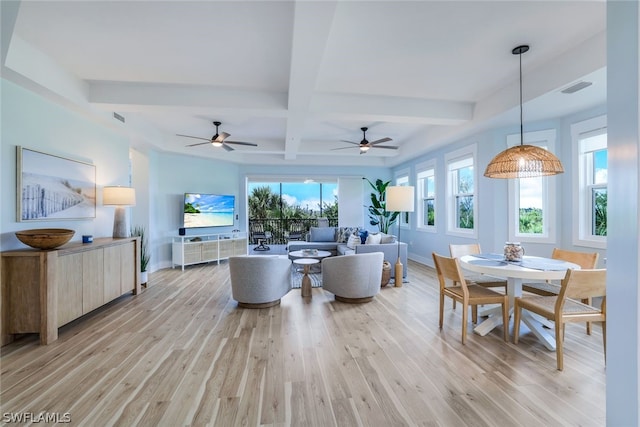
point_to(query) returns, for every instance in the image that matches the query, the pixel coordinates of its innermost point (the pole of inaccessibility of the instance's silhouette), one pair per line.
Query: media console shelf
(197, 249)
(43, 290)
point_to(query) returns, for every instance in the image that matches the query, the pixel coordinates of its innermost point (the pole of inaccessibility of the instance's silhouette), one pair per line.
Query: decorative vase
(144, 277)
(513, 251)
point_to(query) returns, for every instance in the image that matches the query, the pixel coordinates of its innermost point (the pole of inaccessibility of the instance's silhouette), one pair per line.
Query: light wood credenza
(43, 290)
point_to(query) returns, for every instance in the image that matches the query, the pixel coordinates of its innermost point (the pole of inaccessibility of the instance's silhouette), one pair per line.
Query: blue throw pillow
(322, 234)
(363, 236)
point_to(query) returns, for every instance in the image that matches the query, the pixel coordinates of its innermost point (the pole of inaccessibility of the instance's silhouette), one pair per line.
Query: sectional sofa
(339, 241)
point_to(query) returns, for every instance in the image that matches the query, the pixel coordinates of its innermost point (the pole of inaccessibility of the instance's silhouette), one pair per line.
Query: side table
(305, 288)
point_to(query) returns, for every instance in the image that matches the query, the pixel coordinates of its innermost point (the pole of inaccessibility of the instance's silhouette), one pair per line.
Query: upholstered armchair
(259, 281)
(353, 278)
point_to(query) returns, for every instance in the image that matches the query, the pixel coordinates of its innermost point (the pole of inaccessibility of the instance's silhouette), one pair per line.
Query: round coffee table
(294, 255)
(305, 289)
(304, 254)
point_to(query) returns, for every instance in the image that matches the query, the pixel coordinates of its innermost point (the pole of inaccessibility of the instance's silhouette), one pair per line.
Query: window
(403, 180)
(426, 189)
(269, 200)
(461, 205)
(532, 200)
(590, 142)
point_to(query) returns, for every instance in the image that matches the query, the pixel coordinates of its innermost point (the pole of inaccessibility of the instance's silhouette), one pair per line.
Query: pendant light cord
(521, 126)
(519, 51)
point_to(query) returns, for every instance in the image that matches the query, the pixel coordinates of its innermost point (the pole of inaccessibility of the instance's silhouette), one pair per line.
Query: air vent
(118, 117)
(576, 87)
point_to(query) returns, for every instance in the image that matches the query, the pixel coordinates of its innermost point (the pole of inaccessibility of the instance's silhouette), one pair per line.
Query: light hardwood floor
(182, 353)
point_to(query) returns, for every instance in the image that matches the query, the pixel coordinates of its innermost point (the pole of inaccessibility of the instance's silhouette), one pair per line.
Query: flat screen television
(208, 210)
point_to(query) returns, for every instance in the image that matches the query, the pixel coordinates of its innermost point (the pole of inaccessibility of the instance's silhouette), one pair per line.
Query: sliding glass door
(284, 208)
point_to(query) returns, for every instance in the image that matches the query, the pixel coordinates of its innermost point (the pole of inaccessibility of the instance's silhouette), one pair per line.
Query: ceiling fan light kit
(218, 140)
(523, 161)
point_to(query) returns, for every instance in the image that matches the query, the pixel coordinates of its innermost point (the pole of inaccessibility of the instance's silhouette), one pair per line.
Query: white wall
(33, 122)
(623, 275)
(172, 176)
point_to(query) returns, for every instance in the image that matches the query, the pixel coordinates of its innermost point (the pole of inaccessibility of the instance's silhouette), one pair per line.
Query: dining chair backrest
(586, 260)
(582, 284)
(449, 269)
(457, 251)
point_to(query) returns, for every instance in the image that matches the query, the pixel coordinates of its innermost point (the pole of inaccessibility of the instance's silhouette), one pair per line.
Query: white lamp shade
(119, 196)
(400, 199)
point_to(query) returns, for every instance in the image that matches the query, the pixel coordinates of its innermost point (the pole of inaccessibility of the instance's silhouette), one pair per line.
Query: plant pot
(144, 276)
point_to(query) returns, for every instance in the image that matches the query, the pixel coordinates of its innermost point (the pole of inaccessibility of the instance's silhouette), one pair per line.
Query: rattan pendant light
(523, 161)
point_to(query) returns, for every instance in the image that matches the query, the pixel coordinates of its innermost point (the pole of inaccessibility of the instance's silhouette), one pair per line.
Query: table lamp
(120, 197)
(399, 199)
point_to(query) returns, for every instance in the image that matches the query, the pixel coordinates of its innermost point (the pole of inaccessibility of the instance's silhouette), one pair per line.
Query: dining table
(529, 268)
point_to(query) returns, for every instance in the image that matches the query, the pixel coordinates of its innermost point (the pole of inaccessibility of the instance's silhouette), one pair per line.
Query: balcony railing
(280, 228)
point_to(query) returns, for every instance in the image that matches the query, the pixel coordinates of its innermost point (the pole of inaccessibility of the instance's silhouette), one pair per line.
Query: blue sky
(600, 160)
(210, 202)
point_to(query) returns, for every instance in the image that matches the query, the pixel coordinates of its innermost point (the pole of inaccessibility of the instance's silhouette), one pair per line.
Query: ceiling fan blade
(379, 141)
(226, 147)
(250, 144)
(388, 147)
(194, 137)
(223, 136)
(342, 148)
(350, 142)
(199, 143)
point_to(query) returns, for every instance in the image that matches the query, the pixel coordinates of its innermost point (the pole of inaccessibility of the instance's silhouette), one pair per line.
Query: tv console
(202, 248)
(45, 289)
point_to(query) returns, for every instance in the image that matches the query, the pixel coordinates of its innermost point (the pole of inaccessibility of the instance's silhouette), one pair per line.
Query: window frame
(582, 201)
(423, 171)
(468, 152)
(545, 139)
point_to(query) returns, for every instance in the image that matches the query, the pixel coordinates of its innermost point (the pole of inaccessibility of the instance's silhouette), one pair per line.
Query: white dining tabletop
(531, 268)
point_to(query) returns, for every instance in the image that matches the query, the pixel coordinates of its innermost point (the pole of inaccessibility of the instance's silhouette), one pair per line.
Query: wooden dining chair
(448, 270)
(586, 260)
(457, 251)
(566, 307)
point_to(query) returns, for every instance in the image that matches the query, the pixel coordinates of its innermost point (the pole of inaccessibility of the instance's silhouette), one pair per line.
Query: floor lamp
(399, 199)
(120, 197)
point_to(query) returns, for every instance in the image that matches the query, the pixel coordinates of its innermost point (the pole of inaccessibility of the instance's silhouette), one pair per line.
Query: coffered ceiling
(297, 77)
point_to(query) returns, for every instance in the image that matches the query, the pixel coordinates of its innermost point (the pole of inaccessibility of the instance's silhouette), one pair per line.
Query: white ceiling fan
(365, 145)
(218, 140)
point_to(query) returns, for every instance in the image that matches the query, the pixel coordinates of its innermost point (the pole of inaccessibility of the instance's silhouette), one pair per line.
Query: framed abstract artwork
(52, 188)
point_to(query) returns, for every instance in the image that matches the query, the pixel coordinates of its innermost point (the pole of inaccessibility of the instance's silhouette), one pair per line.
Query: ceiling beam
(311, 27)
(390, 108)
(139, 96)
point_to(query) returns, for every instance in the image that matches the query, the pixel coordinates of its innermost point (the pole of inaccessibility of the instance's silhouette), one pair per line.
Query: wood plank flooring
(181, 353)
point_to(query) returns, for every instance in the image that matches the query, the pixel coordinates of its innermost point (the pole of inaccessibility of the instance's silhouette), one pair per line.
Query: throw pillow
(343, 233)
(387, 238)
(374, 239)
(322, 234)
(363, 236)
(354, 240)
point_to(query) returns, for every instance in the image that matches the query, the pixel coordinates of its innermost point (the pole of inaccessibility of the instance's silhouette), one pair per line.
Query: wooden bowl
(45, 238)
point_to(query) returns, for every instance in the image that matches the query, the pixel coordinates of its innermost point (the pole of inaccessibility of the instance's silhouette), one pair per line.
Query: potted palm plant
(378, 213)
(145, 256)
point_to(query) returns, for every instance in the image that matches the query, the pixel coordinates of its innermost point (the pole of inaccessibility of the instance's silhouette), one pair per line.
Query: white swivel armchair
(259, 281)
(353, 278)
